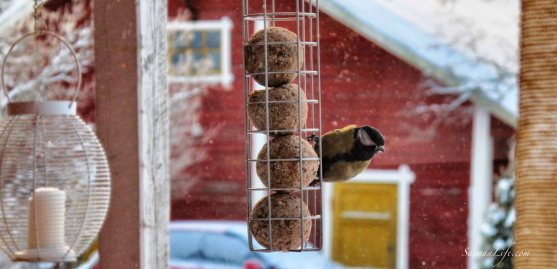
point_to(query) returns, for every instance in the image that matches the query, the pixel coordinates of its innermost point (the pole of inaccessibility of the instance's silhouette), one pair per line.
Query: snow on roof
(471, 46)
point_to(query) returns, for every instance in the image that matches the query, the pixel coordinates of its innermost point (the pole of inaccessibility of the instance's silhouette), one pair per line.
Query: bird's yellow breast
(342, 171)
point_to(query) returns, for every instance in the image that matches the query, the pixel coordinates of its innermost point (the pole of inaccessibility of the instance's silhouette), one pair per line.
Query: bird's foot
(312, 139)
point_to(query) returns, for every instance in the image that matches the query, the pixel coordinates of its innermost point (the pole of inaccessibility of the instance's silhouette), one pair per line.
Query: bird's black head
(371, 137)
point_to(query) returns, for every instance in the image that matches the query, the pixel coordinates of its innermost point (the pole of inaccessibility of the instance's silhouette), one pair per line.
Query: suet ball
(286, 174)
(283, 115)
(282, 57)
(286, 233)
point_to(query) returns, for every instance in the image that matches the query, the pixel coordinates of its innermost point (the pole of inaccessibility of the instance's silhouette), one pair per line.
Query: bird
(346, 152)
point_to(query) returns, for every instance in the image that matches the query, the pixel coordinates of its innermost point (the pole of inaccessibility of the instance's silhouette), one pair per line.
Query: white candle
(47, 214)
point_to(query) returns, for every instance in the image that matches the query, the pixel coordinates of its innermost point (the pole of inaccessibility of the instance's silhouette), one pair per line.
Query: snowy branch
(29, 76)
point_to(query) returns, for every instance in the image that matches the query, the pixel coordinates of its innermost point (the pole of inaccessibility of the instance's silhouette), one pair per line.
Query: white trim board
(403, 177)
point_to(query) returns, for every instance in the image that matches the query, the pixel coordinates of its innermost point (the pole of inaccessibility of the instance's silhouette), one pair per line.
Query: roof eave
(494, 108)
(412, 57)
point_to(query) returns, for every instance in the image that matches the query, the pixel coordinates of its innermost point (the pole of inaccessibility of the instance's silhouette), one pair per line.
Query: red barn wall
(221, 193)
(361, 84)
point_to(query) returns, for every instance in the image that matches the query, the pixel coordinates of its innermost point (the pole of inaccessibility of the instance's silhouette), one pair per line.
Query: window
(199, 51)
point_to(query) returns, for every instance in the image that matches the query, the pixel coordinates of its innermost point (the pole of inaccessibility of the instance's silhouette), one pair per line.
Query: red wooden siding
(221, 193)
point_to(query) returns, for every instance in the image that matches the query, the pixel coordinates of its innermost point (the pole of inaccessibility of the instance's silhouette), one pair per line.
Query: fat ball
(286, 233)
(283, 109)
(282, 56)
(286, 174)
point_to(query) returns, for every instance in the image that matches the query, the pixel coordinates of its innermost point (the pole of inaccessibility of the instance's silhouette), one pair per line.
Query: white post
(403, 222)
(257, 142)
(153, 131)
(328, 210)
(132, 124)
(479, 193)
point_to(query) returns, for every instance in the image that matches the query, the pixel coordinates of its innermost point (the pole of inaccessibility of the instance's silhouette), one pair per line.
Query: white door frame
(403, 177)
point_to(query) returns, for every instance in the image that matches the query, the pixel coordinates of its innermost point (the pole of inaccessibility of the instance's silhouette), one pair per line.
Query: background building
(379, 67)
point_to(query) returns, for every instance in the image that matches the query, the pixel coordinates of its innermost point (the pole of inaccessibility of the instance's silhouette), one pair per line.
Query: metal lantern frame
(305, 18)
(45, 144)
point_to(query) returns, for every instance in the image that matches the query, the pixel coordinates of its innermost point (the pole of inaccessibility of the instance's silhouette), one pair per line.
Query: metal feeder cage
(302, 18)
(54, 178)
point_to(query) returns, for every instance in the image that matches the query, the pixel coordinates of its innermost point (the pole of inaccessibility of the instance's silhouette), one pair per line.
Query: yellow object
(364, 225)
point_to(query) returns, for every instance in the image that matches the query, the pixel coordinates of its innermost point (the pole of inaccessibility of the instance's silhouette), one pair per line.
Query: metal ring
(55, 35)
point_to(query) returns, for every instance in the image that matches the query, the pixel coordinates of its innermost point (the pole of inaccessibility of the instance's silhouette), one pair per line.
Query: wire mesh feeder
(282, 108)
(54, 178)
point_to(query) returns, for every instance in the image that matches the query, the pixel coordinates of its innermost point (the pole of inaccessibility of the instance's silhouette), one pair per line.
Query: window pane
(197, 55)
(177, 61)
(178, 39)
(215, 57)
(213, 39)
(197, 40)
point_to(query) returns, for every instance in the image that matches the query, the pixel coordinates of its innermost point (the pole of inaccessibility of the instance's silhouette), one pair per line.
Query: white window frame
(224, 25)
(403, 177)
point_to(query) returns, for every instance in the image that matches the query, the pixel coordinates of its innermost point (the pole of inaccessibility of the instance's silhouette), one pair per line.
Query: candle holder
(54, 177)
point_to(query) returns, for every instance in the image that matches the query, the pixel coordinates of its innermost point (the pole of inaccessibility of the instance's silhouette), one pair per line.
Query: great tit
(347, 152)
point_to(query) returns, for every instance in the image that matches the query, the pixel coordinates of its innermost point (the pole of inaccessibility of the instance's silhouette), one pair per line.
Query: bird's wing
(339, 141)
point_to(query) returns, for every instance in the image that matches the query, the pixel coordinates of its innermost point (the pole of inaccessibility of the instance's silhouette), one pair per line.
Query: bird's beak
(380, 148)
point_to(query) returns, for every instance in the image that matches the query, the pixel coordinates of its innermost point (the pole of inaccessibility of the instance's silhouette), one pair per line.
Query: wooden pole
(536, 186)
(132, 123)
